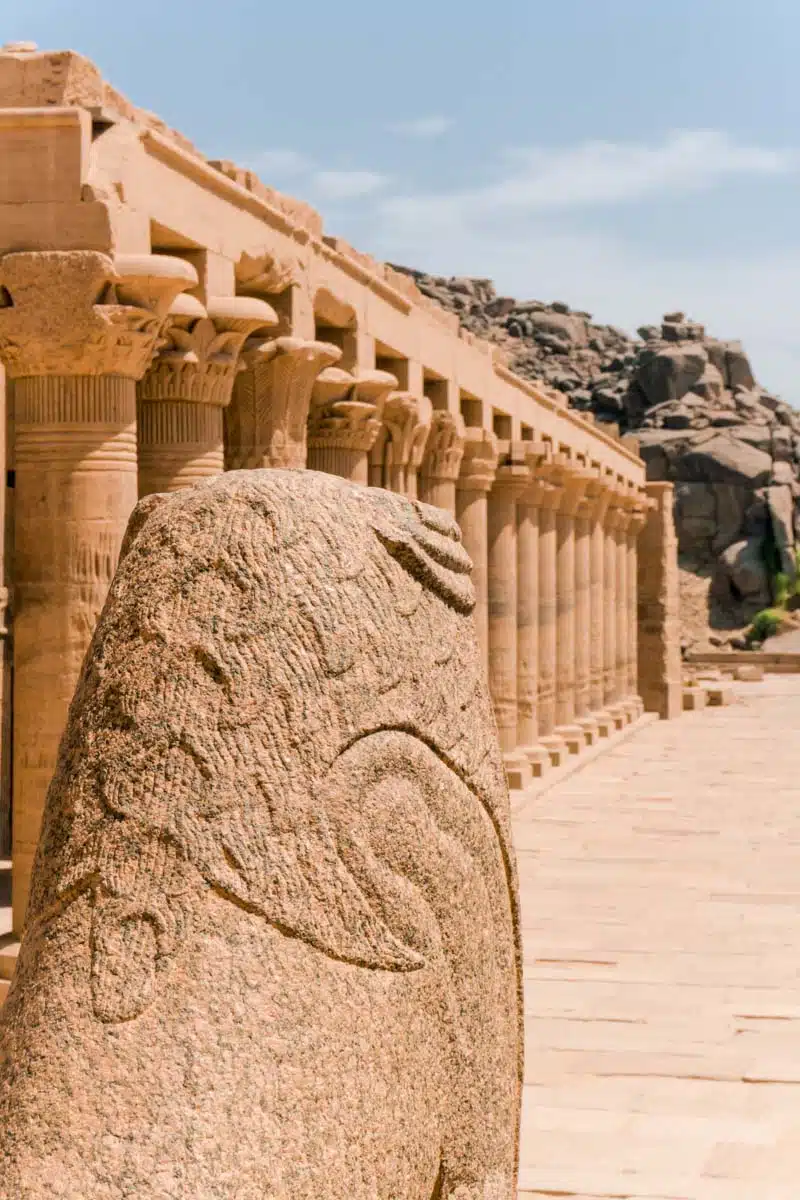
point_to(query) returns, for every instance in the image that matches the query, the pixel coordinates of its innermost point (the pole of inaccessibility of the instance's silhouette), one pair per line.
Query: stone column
(583, 621)
(599, 496)
(76, 331)
(610, 596)
(660, 682)
(266, 422)
(398, 449)
(510, 481)
(478, 467)
(573, 490)
(528, 518)
(549, 500)
(183, 395)
(622, 610)
(636, 523)
(345, 420)
(441, 462)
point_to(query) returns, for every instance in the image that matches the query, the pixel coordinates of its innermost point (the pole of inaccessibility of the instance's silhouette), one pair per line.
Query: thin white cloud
(600, 173)
(423, 127)
(347, 185)
(280, 163)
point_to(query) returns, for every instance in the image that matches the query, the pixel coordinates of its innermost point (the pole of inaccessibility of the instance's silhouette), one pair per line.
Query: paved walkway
(661, 910)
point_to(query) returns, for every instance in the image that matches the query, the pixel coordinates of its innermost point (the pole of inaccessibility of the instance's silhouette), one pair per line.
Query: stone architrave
(441, 463)
(398, 449)
(478, 466)
(267, 420)
(275, 902)
(183, 395)
(345, 421)
(77, 329)
(511, 480)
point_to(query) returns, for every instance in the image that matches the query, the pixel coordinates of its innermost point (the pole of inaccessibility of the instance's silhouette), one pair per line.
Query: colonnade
(124, 384)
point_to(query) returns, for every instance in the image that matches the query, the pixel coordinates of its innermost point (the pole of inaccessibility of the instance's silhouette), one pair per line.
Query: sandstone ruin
(275, 875)
(164, 317)
(169, 327)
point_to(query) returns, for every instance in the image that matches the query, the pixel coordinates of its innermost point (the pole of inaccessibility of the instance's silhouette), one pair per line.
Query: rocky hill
(731, 447)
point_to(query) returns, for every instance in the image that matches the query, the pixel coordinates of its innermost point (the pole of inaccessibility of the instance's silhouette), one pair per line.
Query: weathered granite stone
(273, 941)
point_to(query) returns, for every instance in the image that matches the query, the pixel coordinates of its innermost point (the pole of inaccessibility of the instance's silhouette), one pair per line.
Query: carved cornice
(79, 312)
(267, 421)
(199, 358)
(444, 448)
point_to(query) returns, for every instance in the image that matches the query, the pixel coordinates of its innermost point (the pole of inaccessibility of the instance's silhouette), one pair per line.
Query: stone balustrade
(169, 320)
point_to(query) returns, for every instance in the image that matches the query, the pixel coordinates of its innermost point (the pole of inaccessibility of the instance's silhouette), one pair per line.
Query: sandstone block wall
(164, 317)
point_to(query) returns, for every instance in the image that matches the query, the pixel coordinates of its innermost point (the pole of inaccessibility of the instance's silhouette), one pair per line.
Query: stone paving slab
(661, 919)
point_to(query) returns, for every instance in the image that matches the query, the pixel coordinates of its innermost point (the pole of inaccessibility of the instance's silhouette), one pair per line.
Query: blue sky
(627, 156)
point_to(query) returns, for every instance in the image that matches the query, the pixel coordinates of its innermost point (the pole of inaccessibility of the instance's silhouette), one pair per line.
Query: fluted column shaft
(502, 593)
(623, 605)
(632, 538)
(528, 615)
(583, 613)
(610, 595)
(548, 634)
(478, 467)
(79, 331)
(565, 601)
(597, 602)
(75, 489)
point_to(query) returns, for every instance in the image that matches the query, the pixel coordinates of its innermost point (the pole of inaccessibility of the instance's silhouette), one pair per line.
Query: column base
(604, 722)
(555, 747)
(518, 770)
(591, 729)
(574, 737)
(538, 758)
(619, 715)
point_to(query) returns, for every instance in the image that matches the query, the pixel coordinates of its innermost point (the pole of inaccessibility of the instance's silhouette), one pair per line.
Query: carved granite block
(272, 947)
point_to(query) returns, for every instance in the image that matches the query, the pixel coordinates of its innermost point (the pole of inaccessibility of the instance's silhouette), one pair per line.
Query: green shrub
(765, 625)
(782, 589)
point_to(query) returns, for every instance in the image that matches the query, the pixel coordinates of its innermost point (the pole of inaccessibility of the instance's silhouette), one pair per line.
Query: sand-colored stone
(76, 331)
(660, 908)
(273, 941)
(659, 659)
(289, 348)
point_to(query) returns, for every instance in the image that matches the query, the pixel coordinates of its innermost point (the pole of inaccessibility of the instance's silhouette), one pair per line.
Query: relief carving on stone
(274, 906)
(83, 313)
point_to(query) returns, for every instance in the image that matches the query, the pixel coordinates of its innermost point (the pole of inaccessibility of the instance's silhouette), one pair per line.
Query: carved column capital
(266, 423)
(346, 408)
(199, 356)
(513, 473)
(444, 448)
(80, 312)
(399, 447)
(479, 462)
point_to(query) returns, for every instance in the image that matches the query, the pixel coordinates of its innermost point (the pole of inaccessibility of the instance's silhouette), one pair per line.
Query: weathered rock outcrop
(701, 419)
(273, 939)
